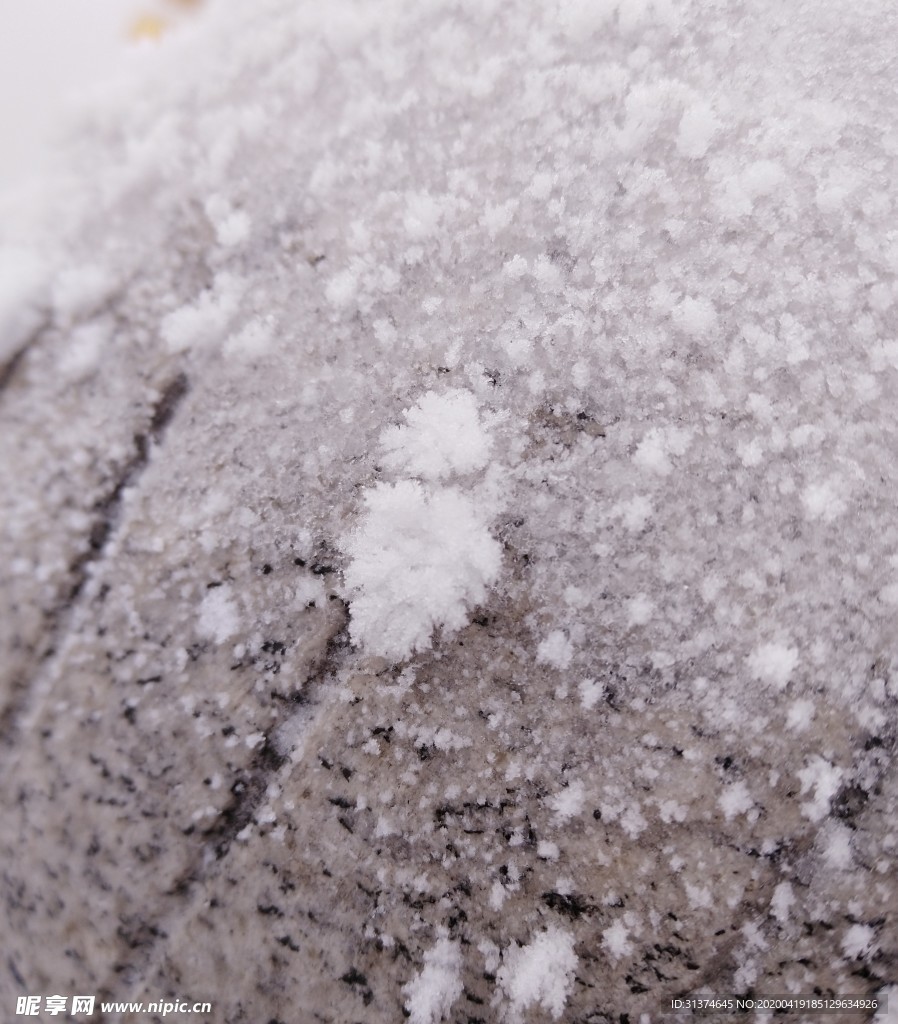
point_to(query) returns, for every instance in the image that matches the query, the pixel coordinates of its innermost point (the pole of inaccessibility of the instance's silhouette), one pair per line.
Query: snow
(858, 940)
(23, 287)
(735, 799)
(888, 997)
(782, 902)
(546, 352)
(219, 618)
(204, 320)
(834, 843)
(547, 850)
(773, 664)
(443, 435)
(616, 941)
(591, 693)
(539, 974)
(431, 993)
(420, 559)
(85, 347)
(822, 779)
(697, 128)
(556, 650)
(568, 802)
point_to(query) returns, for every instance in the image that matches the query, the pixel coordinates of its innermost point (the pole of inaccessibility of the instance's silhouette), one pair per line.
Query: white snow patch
(556, 650)
(78, 291)
(419, 559)
(773, 663)
(698, 126)
(824, 499)
(824, 779)
(342, 288)
(834, 843)
(422, 216)
(735, 800)
(218, 618)
(568, 802)
(591, 693)
(82, 353)
(539, 974)
(616, 940)
(639, 610)
(251, 341)
(636, 513)
(231, 226)
(22, 288)
(430, 995)
(443, 434)
(782, 901)
(858, 941)
(761, 178)
(204, 320)
(696, 317)
(654, 451)
(800, 714)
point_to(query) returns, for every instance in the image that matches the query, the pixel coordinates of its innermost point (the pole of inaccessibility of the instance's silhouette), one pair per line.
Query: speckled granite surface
(650, 280)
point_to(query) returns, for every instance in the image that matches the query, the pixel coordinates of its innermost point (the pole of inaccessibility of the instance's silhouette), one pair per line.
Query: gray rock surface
(449, 559)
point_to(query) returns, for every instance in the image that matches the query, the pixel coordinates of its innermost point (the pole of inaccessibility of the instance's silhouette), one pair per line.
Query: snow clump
(431, 993)
(423, 554)
(539, 974)
(443, 434)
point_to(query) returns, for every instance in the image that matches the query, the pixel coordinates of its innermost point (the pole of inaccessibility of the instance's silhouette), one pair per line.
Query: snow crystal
(568, 802)
(735, 800)
(654, 451)
(639, 610)
(85, 345)
(800, 714)
(773, 663)
(591, 693)
(423, 554)
(700, 896)
(546, 850)
(781, 902)
(422, 216)
(539, 974)
(419, 560)
(556, 650)
(342, 288)
(761, 178)
(834, 843)
(616, 940)
(636, 513)
(443, 434)
(696, 317)
(858, 941)
(824, 779)
(430, 995)
(231, 226)
(251, 341)
(824, 499)
(218, 616)
(204, 320)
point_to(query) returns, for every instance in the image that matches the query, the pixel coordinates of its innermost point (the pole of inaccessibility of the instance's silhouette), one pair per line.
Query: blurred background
(52, 51)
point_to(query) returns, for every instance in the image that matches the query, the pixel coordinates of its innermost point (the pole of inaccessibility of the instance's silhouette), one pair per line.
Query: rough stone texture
(663, 265)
